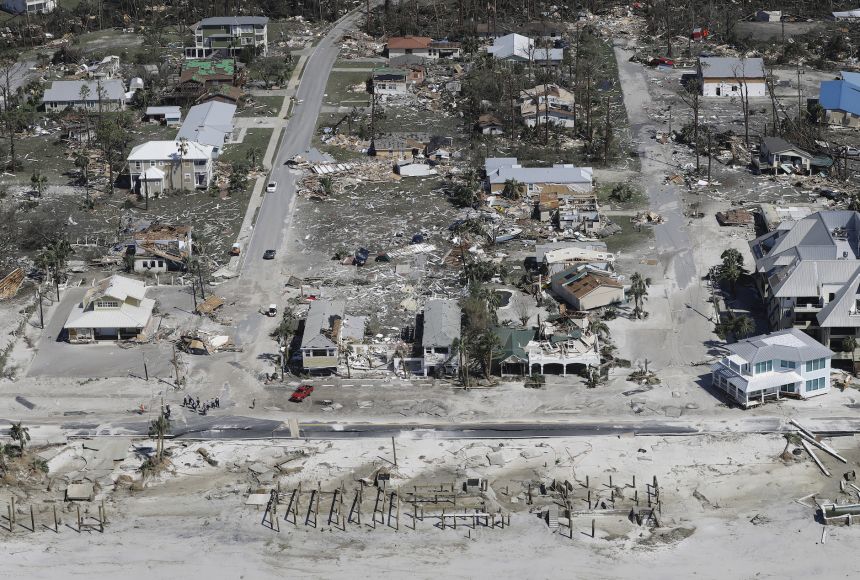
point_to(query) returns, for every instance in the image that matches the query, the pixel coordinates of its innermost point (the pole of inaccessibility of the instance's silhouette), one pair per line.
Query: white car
(273, 185)
(849, 151)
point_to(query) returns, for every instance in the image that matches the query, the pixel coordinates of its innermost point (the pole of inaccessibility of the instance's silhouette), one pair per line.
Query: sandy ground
(711, 489)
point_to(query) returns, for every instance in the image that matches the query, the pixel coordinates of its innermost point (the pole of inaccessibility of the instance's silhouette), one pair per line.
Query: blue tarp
(841, 95)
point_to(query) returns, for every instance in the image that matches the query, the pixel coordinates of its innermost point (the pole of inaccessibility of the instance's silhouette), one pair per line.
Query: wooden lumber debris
(815, 458)
(810, 437)
(11, 283)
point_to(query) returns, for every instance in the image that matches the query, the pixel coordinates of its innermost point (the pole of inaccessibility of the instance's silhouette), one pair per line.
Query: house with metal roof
(210, 124)
(808, 273)
(519, 48)
(115, 308)
(156, 166)
(104, 95)
(228, 36)
(440, 328)
(321, 337)
(787, 363)
(29, 6)
(840, 100)
(731, 77)
(560, 178)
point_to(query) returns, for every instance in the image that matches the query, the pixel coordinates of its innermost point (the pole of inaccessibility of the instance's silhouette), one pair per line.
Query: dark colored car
(269, 255)
(302, 393)
(361, 256)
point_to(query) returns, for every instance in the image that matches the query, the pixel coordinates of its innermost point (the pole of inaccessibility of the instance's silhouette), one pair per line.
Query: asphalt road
(264, 278)
(238, 427)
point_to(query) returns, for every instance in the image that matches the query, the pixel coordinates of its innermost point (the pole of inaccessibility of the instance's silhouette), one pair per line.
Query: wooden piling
(634, 482)
(56, 521)
(589, 499)
(14, 516)
(610, 480)
(32, 520)
(11, 527)
(79, 517)
(592, 528)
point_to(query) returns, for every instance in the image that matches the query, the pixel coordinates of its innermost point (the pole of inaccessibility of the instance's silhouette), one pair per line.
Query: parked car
(272, 187)
(361, 256)
(302, 393)
(269, 255)
(849, 151)
(235, 250)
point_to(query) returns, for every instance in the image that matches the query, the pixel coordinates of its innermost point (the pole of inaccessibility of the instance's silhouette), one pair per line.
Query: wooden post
(592, 528)
(13, 517)
(636, 496)
(79, 517)
(32, 520)
(610, 480)
(11, 528)
(443, 518)
(394, 450)
(104, 512)
(587, 482)
(634, 481)
(397, 529)
(589, 499)
(56, 521)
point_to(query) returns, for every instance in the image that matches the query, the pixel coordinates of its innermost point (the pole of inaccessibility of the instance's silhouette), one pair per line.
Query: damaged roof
(727, 67)
(441, 322)
(790, 344)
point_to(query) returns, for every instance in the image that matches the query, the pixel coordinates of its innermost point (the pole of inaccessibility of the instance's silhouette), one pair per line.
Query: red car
(302, 393)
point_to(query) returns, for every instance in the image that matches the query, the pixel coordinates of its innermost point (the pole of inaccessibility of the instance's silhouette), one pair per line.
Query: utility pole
(41, 312)
(800, 71)
(175, 365)
(194, 294)
(607, 135)
(145, 370)
(200, 278)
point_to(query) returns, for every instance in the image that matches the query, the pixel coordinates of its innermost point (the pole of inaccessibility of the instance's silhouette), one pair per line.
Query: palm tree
(512, 189)
(82, 162)
(639, 290)
(84, 94)
(732, 267)
(254, 155)
(182, 150)
(598, 327)
(20, 434)
(850, 345)
(39, 182)
(743, 326)
(158, 428)
(459, 346)
(52, 259)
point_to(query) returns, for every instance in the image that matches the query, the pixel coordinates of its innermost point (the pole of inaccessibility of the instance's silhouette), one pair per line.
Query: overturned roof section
(441, 323)
(790, 344)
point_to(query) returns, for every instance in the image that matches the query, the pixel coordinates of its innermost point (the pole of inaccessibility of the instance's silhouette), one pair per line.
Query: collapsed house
(547, 103)
(551, 349)
(164, 115)
(787, 363)
(554, 257)
(115, 308)
(160, 248)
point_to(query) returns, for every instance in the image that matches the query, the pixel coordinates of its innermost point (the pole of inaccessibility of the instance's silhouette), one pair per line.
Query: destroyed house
(585, 287)
(228, 36)
(558, 350)
(115, 308)
(165, 115)
(560, 178)
(787, 363)
(778, 155)
(840, 100)
(440, 329)
(399, 145)
(201, 76)
(321, 336)
(97, 95)
(29, 6)
(390, 81)
(547, 103)
(160, 248)
(731, 77)
(490, 124)
(808, 274)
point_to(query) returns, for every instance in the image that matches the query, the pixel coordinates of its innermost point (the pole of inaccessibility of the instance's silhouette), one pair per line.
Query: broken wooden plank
(809, 436)
(815, 458)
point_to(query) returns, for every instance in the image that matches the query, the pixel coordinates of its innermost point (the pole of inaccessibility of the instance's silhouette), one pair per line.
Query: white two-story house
(156, 166)
(788, 363)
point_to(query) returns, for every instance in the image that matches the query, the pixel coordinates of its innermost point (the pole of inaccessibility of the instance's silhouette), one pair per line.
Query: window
(789, 388)
(108, 304)
(787, 364)
(815, 384)
(763, 367)
(815, 365)
(160, 264)
(137, 165)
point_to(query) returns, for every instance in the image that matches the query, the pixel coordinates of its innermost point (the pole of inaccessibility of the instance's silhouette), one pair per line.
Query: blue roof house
(841, 100)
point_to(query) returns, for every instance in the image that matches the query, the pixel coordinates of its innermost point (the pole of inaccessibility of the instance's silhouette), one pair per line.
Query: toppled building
(161, 248)
(558, 351)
